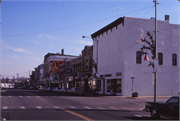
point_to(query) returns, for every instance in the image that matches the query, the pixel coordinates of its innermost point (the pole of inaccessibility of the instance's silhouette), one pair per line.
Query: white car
(75, 91)
(64, 90)
(56, 89)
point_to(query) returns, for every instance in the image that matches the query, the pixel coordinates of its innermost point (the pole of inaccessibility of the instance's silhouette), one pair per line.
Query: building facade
(116, 50)
(52, 67)
(78, 71)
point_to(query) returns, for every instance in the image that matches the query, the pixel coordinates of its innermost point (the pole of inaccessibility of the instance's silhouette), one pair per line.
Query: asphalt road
(22, 104)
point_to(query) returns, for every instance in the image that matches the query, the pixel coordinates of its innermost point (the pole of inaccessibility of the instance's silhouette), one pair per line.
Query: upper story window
(174, 59)
(138, 57)
(160, 57)
(86, 64)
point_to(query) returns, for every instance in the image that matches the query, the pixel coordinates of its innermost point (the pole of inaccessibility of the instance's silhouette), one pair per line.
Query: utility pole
(154, 74)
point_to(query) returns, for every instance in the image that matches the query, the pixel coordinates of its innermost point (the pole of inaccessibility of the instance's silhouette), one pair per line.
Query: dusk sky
(32, 28)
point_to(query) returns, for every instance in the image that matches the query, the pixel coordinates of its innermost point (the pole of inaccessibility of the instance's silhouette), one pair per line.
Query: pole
(155, 49)
(97, 67)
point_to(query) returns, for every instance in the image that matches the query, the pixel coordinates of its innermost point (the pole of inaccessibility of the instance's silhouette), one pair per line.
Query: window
(86, 64)
(174, 59)
(114, 85)
(160, 57)
(138, 57)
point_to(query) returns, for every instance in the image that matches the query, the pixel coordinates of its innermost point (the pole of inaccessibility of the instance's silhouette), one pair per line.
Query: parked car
(170, 108)
(64, 90)
(41, 88)
(31, 88)
(44, 89)
(50, 89)
(75, 91)
(56, 89)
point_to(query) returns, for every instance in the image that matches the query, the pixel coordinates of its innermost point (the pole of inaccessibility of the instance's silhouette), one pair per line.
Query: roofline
(109, 26)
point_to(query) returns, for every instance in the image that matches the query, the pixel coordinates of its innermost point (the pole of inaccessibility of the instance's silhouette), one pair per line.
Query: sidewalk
(125, 97)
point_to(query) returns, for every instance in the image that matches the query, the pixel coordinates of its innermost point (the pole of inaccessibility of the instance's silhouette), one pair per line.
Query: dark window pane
(138, 57)
(160, 57)
(174, 60)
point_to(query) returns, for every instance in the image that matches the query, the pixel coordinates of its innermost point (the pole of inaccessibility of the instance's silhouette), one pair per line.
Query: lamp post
(132, 84)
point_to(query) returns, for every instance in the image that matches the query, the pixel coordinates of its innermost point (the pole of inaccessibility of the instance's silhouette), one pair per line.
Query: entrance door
(103, 86)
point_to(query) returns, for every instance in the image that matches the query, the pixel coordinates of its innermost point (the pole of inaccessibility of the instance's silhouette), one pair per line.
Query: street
(24, 104)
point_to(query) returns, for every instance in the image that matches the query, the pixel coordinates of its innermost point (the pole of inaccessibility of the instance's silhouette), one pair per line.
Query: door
(103, 89)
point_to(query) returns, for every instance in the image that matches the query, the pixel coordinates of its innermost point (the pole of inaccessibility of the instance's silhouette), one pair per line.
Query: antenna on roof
(117, 9)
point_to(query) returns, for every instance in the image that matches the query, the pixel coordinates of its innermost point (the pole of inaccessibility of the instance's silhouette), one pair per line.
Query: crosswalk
(70, 107)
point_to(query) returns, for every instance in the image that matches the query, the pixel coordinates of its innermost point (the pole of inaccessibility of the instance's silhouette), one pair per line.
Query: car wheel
(154, 114)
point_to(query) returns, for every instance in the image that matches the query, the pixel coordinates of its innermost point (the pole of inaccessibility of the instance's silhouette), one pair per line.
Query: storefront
(110, 86)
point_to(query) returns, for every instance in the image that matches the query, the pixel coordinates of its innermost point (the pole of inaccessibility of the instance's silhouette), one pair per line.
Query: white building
(118, 44)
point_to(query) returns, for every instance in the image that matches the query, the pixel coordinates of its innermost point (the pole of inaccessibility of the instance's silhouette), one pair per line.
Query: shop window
(108, 85)
(174, 59)
(138, 57)
(118, 85)
(160, 57)
(114, 85)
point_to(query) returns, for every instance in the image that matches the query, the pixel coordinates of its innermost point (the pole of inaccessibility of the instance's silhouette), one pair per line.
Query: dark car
(170, 108)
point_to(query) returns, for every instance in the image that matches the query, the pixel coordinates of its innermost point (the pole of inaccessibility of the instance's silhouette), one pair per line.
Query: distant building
(119, 58)
(51, 67)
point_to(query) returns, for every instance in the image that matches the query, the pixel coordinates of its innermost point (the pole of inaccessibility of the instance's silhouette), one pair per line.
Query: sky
(31, 29)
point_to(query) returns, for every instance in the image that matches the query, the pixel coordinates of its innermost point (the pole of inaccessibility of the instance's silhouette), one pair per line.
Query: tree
(151, 46)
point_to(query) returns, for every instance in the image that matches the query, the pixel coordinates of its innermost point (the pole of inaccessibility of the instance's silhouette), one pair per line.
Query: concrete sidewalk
(125, 97)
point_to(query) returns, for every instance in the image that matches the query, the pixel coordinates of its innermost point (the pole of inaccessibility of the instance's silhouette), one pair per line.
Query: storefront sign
(119, 74)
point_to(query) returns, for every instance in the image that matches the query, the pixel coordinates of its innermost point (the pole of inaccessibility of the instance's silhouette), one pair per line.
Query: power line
(62, 16)
(70, 26)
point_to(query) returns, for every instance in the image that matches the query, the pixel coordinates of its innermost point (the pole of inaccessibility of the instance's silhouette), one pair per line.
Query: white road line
(73, 107)
(101, 108)
(10, 96)
(138, 115)
(127, 108)
(87, 107)
(55, 107)
(37, 96)
(20, 96)
(22, 107)
(114, 108)
(5, 107)
(39, 107)
(28, 96)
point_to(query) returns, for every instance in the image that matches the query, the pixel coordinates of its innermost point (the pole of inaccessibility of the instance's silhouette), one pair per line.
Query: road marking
(22, 107)
(138, 115)
(39, 107)
(87, 107)
(10, 96)
(55, 107)
(78, 115)
(28, 96)
(37, 96)
(5, 107)
(114, 108)
(20, 96)
(73, 107)
(101, 108)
